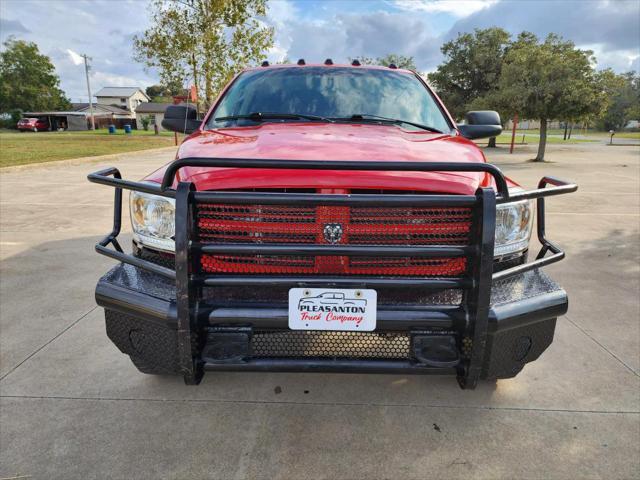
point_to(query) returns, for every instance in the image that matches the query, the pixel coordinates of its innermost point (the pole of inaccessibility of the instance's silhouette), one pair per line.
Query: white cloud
(108, 79)
(618, 60)
(457, 8)
(75, 57)
(64, 29)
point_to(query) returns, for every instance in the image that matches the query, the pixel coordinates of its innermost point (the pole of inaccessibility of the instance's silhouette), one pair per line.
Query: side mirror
(181, 119)
(481, 124)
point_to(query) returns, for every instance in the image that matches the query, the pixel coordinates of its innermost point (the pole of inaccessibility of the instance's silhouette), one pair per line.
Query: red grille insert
(264, 224)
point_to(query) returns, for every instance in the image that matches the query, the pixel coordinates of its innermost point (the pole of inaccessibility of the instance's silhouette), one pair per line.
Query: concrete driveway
(73, 407)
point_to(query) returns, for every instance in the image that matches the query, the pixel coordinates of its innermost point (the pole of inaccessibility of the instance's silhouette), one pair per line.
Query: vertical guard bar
(185, 293)
(480, 296)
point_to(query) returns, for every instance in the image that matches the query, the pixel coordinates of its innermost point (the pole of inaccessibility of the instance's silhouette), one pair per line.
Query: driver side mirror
(181, 119)
(481, 124)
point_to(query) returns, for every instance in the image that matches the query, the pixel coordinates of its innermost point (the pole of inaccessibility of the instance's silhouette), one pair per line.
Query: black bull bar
(476, 282)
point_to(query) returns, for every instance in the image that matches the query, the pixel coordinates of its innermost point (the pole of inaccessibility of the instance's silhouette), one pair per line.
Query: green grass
(632, 135)
(25, 148)
(577, 131)
(534, 139)
(120, 132)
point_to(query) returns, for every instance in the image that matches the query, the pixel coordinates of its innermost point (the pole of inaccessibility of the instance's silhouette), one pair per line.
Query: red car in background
(33, 125)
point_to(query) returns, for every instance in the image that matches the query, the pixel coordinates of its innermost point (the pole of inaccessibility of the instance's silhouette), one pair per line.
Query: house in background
(125, 98)
(105, 115)
(153, 111)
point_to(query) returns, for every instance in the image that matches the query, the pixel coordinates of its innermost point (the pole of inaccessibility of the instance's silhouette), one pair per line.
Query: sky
(315, 30)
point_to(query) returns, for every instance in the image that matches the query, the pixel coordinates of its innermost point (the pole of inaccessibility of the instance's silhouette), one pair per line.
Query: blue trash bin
(112, 129)
(127, 129)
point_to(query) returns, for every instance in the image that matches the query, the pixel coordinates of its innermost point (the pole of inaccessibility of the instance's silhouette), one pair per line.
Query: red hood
(320, 141)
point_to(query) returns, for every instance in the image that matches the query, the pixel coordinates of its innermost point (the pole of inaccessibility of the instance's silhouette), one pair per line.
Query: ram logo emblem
(332, 232)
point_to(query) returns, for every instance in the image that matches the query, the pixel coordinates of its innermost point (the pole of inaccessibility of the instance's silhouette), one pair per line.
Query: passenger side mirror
(481, 124)
(181, 119)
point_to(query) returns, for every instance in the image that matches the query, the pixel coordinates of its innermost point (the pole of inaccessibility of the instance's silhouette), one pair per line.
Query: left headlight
(513, 227)
(153, 220)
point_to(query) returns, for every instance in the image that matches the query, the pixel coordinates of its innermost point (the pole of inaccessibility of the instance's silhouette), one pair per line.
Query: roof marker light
(328, 61)
(356, 63)
(302, 62)
(393, 66)
(264, 64)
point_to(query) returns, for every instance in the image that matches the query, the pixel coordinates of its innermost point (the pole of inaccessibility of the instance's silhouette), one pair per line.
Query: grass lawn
(578, 131)
(534, 139)
(24, 148)
(632, 135)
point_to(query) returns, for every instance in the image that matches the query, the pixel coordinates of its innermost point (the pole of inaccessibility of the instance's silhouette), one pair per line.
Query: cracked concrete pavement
(72, 406)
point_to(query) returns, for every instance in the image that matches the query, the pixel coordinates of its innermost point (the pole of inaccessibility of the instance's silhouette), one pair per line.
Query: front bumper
(500, 321)
(142, 321)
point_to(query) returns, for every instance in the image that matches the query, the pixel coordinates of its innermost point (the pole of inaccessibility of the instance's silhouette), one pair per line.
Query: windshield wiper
(395, 121)
(262, 116)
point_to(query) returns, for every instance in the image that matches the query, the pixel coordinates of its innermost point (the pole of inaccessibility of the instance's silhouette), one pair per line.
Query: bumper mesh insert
(361, 345)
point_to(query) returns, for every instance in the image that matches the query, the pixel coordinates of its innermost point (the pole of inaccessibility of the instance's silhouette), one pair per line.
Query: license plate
(332, 309)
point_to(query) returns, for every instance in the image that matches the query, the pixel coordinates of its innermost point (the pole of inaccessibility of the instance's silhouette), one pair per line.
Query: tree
(400, 61)
(471, 69)
(633, 112)
(164, 93)
(207, 41)
(548, 80)
(28, 79)
(623, 92)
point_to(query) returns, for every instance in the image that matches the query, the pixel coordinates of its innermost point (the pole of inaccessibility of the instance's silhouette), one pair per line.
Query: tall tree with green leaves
(471, 68)
(205, 41)
(28, 79)
(400, 61)
(623, 91)
(548, 80)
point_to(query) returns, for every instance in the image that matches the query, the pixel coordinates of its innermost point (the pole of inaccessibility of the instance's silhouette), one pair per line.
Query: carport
(62, 120)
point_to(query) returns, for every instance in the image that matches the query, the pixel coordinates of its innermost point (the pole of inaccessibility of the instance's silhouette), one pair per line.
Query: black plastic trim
(328, 366)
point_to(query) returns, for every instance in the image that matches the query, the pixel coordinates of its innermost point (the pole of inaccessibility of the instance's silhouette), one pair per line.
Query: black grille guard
(476, 281)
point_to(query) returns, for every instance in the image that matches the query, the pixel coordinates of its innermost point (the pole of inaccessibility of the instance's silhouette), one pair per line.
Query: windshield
(329, 93)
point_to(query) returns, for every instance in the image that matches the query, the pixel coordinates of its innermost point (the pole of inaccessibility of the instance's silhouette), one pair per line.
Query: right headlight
(513, 227)
(153, 220)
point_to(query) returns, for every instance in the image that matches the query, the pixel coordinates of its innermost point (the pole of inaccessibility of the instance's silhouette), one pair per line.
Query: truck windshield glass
(348, 94)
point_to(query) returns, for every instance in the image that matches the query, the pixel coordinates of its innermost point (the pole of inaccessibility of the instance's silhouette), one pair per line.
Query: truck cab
(304, 182)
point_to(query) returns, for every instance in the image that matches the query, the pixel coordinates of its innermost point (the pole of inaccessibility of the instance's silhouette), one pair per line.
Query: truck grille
(301, 344)
(293, 225)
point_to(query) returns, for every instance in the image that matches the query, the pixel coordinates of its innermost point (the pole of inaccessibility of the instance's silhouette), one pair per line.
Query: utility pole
(86, 71)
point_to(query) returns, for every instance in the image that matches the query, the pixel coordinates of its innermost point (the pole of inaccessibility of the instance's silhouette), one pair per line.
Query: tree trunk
(492, 142)
(570, 131)
(566, 125)
(543, 141)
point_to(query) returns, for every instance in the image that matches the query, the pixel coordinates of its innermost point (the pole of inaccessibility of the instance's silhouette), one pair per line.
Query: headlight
(513, 227)
(153, 220)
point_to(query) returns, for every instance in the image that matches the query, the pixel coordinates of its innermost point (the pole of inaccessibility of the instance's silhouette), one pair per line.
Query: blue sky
(316, 29)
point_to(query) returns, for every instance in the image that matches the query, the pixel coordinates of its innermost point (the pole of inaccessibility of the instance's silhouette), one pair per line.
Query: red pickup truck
(330, 218)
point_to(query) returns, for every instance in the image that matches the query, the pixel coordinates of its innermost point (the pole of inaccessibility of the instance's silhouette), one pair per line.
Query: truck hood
(326, 141)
